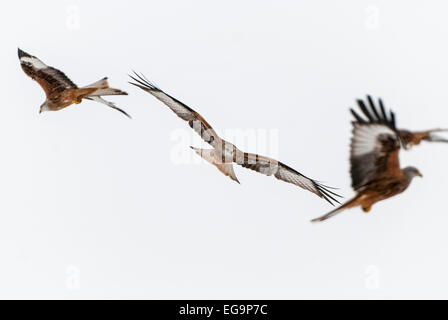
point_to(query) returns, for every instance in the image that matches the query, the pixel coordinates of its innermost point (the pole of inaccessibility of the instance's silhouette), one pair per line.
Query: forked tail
(103, 89)
(209, 156)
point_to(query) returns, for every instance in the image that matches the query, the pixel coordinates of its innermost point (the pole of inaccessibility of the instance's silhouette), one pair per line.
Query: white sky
(94, 205)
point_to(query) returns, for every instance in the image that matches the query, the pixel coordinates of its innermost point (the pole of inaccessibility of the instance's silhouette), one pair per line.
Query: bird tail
(209, 156)
(103, 89)
(349, 204)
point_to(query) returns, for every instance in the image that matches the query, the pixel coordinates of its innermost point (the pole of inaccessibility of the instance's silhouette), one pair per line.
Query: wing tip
(326, 194)
(22, 54)
(375, 114)
(142, 82)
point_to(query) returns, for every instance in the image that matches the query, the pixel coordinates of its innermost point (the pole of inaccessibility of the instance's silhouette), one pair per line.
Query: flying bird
(375, 167)
(60, 91)
(376, 115)
(223, 154)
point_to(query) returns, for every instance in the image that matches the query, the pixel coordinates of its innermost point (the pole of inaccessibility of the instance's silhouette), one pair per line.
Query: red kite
(224, 153)
(61, 92)
(379, 116)
(375, 167)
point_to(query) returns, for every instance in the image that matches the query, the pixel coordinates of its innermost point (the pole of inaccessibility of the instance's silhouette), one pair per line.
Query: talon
(77, 101)
(367, 209)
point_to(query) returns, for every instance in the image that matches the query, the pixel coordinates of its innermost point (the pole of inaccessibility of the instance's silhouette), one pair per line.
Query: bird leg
(77, 100)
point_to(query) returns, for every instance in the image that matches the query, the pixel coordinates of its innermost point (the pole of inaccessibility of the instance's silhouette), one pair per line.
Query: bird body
(375, 167)
(61, 100)
(381, 189)
(60, 91)
(224, 154)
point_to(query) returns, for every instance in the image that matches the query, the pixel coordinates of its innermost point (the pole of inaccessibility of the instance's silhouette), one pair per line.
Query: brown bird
(224, 153)
(375, 167)
(379, 116)
(60, 91)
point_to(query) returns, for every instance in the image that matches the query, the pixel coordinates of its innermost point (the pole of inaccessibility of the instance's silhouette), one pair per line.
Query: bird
(375, 167)
(60, 91)
(379, 115)
(223, 153)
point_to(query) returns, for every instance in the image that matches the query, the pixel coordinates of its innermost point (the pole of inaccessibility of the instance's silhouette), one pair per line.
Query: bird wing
(50, 79)
(194, 119)
(431, 136)
(374, 154)
(378, 115)
(109, 104)
(269, 167)
(414, 138)
(374, 114)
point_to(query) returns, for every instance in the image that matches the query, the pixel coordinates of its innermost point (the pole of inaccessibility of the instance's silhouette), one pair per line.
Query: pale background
(94, 205)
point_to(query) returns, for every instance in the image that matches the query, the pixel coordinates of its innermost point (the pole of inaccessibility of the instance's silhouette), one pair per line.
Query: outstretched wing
(431, 136)
(194, 119)
(374, 154)
(50, 79)
(269, 167)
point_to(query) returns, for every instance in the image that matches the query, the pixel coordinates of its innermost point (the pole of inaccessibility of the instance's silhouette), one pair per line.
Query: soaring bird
(60, 91)
(223, 154)
(379, 115)
(375, 167)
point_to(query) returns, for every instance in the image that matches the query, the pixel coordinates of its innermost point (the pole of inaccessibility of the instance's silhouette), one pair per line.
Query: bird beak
(419, 175)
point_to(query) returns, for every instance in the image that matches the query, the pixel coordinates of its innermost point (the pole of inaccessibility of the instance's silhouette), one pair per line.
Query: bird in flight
(60, 91)
(375, 115)
(375, 167)
(223, 154)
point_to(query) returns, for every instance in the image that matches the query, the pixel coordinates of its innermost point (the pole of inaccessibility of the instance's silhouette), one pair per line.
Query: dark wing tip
(142, 82)
(22, 53)
(375, 114)
(327, 194)
(365, 110)
(357, 116)
(393, 121)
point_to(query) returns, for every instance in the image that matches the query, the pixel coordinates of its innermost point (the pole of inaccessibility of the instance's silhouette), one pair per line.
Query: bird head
(412, 172)
(43, 107)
